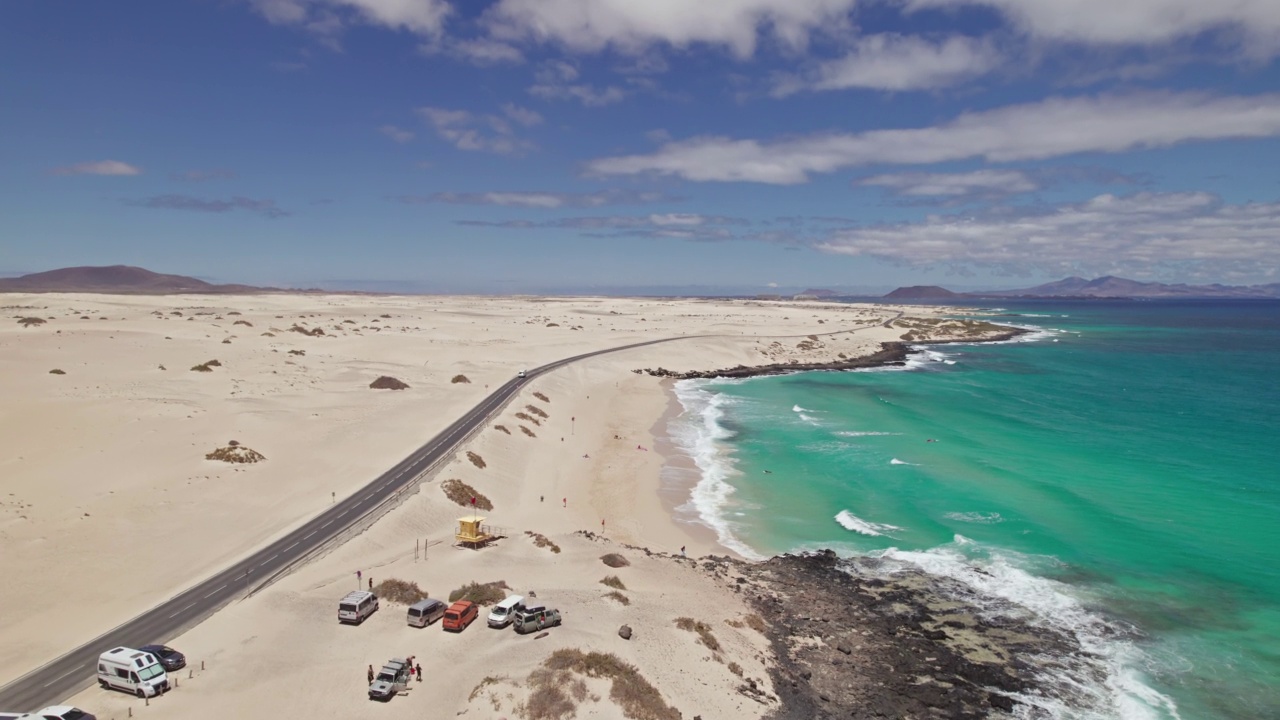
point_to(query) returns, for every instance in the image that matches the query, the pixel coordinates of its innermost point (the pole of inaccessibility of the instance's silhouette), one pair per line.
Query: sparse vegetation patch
(476, 460)
(503, 428)
(540, 540)
(536, 411)
(637, 697)
(527, 431)
(235, 453)
(528, 418)
(704, 632)
(613, 581)
(30, 321)
(56, 371)
(399, 591)
(490, 593)
(615, 595)
(246, 323)
(314, 332)
(614, 560)
(461, 493)
(542, 397)
(386, 382)
(460, 379)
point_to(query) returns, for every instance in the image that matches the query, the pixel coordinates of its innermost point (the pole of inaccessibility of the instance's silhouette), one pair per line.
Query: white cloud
(675, 226)
(102, 167)
(542, 200)
(327, 18)
(954, 186)
(1190, 234)
(468, 131)
(1146, 22)
(266, 208)
(521, 115)
(898, 62)
(555, 81)
(477, 51)
(399, 135)
(1033, 131)
(632, 27)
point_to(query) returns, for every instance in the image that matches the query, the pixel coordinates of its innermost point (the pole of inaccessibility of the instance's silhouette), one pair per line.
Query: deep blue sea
(1116, 473)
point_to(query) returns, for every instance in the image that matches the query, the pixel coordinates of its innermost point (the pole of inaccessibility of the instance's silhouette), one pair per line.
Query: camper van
(357, 606)
(504, 612)
(425, 612)
(132, 671)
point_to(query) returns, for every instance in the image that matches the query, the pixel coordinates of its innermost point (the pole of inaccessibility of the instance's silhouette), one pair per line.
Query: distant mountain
(118, 279)
(921, 292)
(1103, 287)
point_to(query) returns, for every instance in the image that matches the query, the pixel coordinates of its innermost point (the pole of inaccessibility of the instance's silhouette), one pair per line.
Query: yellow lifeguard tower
(472, 532)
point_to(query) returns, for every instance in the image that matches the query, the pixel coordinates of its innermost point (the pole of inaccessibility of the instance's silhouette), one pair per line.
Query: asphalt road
(76, 669)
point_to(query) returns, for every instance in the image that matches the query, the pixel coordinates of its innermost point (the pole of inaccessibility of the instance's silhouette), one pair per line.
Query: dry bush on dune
(245, 323)
(235, 312)
(235, 453)
(536, 411)
(314, 332)
(527, 431)
(349, 322)
(703, 630)
(268, 334)
(56, 371)
(297, 352)
(542, 397)
(386, 382)
(613, 581)
(399, 591)
(490, 593)
(214, 363)
(385, 316)
(614, 560)
(461, 493)
(528, 418)
(540, 540)
(553, 324)
(202, 367)
(475, 459)
(615, 595)
(30, 321)
(459, 379)
(227, 341)
(637, 697)
(550, 695)
(503, 428)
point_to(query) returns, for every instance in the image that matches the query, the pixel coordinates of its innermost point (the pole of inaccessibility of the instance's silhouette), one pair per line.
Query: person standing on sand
(370, 583)
(418, 668)
(566, 502)
(370, 674)
(682, 551)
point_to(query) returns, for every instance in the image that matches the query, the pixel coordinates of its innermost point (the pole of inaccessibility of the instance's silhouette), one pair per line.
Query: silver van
(425, 612)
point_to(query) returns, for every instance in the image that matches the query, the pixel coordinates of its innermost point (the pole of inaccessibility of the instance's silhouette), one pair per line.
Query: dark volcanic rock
(880, 649)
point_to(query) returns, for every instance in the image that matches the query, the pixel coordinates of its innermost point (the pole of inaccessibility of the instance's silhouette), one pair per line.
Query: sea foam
(980, 518)
(858, 525)
(698, 432)
(1001, 586)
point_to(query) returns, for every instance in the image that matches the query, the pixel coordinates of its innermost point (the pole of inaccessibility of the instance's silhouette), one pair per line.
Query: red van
(460, 615)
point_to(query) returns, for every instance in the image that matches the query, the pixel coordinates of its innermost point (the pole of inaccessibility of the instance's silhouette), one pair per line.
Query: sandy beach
(109, 504)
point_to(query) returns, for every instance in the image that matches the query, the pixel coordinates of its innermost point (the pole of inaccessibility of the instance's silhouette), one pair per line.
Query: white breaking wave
(896, 461)
(975, 517)
(699, 434)
(863, 433)
(858, 525)
(1003, 587)
(797, 408)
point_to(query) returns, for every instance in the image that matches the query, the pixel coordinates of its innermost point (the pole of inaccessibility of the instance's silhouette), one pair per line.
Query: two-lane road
(77, 669)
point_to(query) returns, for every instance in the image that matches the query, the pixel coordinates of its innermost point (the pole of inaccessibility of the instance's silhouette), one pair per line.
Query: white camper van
(132, 671)
(356, 606)
(504, 612)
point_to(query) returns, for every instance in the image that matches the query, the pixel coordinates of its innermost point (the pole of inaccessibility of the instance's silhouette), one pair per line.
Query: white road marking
(313, 532)
(327, 524)
(176, 614)
(215, 592)
(63, 675)
(293, 546)
(273, 557)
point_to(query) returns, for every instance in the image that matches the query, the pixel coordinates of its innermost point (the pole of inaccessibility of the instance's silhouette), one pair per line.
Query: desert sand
(108, 504)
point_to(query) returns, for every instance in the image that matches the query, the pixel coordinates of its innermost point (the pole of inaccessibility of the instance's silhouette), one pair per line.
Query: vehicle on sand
(390, 680)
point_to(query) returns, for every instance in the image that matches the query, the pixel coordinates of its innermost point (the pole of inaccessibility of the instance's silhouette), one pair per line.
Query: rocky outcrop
(852, 640)
(890, 354)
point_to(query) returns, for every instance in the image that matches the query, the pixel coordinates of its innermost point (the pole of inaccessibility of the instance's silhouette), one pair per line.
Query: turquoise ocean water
(1115, 474)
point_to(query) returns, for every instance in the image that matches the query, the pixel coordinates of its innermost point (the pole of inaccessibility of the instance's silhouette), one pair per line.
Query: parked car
(504, 612)
(53, 712)
(460, 615)
(425, 612)
(133, 671)
(533, 619)
(171, 659)
(356, 606)
(391, 679)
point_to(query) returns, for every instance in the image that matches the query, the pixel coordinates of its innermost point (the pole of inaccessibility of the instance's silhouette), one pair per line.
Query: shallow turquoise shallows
(1118, 474)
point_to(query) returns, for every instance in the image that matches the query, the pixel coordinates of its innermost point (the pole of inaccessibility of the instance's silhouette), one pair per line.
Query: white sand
(108, 505)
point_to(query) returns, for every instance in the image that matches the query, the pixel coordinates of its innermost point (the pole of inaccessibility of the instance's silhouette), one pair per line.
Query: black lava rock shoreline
(890, 353)
(853, 641)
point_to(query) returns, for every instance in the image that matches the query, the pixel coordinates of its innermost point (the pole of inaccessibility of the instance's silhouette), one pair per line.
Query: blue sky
(520, 145)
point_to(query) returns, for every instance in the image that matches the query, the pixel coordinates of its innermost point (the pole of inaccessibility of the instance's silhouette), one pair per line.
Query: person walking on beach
(370, 583)
(418, 668)
(566, 502)
(370, 674)
(682, 551)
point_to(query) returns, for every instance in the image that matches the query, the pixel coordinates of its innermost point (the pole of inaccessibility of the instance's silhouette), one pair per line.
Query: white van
(504, 612)
(132, 671)
(357, 606)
